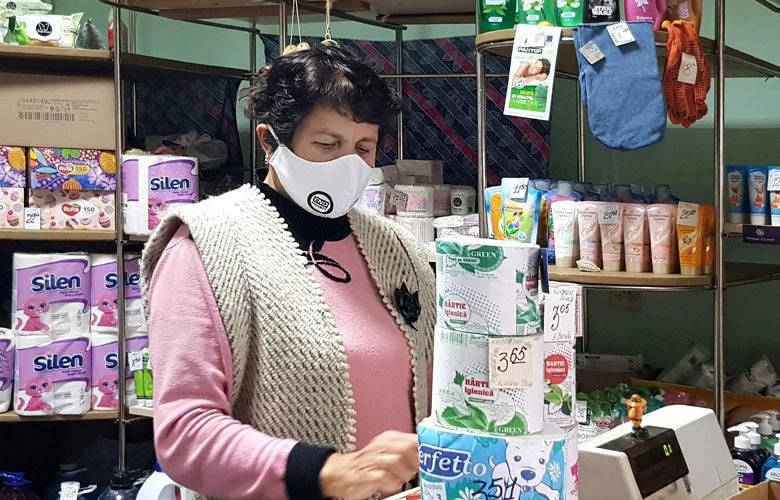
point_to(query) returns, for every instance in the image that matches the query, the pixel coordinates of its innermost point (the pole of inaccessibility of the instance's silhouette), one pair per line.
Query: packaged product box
(769, 490)
(12, 183)
(72, 209)
(559, 375)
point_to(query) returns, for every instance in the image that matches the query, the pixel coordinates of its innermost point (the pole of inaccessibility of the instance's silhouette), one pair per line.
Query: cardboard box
(66, 111)
(765, 491)
(12, 184)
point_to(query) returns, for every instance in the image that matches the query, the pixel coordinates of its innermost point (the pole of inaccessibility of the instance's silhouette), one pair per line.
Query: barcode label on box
(46, 116)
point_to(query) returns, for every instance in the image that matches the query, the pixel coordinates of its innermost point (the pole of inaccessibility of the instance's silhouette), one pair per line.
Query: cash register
(678, 454)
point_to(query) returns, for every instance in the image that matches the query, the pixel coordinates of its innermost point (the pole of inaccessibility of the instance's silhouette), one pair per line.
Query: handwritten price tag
(591, 52)
(688, 69)
(433, 491)
(773, 182)
(560, 315)
(609, 214)
(69, 491)
(519, 189)
(399, 199)
(32, 218)
(135, 360)
(620, 33)
(581, 412)
(512, 363)
(687, 214)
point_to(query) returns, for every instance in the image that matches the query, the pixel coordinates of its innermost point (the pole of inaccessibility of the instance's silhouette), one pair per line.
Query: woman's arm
(198, 443)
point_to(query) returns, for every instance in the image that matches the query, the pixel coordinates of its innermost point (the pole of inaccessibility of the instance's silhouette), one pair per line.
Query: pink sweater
(198, 443)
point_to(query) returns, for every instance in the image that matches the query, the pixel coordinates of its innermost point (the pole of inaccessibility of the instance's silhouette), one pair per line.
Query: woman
(288, 331)
(537, 71)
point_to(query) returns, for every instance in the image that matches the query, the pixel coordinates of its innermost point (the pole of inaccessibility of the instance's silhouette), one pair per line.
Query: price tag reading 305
(512, 362)
(560, 315)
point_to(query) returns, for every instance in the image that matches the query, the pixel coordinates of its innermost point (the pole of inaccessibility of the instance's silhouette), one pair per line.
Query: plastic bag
(211, 153)
(685, 10)
(24, 7)
(758, 377)
(47, 30)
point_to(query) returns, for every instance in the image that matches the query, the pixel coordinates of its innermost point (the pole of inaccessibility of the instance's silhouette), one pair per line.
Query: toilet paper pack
(7, 359)
(487, 286)
(51, 292)
(456, 466)
(74, 209)
(105, 371)
(52, 374)
(559, 375)
(572, 468)
(13, 179)
(463, 399)
(105, 296)
(152, 185)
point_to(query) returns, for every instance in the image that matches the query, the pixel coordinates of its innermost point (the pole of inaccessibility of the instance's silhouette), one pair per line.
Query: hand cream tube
(690, 238)
(736, 179)
(774, 198)
(636, 238)
(590, 236)
(565, 221)
(611, 226)
(757, 195)
(662, 219)
(708, 213)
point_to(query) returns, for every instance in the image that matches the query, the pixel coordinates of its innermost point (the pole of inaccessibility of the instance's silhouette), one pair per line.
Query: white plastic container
(160, 487)
(420, 227)
(419, 202)
(463, 200)
(441, 200)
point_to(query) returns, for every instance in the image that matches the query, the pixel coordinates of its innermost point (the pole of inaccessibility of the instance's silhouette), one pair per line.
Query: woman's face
(326, 134)
(535, 68)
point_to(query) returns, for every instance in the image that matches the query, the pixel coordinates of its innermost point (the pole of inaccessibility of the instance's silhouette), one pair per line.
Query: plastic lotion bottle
(744, 459)
(158, 486)
(766, 430)
(610, 218)
(755, 441)
(771, 469)
(564, 214)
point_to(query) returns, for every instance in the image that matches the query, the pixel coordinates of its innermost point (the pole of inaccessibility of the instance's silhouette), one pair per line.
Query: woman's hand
(388, 462)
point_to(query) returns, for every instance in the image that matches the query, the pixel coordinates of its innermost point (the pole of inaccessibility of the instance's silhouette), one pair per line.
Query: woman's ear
(262, 134)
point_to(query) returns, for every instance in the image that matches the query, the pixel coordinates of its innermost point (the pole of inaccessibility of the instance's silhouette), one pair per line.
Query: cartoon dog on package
(523, 473)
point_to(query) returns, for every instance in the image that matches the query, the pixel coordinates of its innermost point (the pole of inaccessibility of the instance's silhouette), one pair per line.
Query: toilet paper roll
(487, 286)
(104, 295)
(463, 398)
(51, 292)
(559, 375)
(7, 354)
(421, 227)
(572, 469)
(152, 185)
(456, 466)
(52, 374)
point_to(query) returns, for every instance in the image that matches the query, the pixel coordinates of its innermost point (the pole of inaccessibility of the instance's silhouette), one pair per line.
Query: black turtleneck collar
(307, 228)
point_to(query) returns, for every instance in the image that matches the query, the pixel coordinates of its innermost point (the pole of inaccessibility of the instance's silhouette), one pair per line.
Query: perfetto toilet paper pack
(456, 466)
(463, 399)
(572, 468)
(152, 185)
(7, 359)
(487, 286)
(105, 294)
(52, 374)
(51, 292)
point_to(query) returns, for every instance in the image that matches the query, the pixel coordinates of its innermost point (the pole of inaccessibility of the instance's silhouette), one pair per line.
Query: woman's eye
(363, 151)
(326, 146)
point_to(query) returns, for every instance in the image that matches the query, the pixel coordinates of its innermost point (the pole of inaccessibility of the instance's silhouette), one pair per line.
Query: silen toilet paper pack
(104, 294)
(52, 374)
(7, 355)
(456, 466)
(462, 398)
(487, 286)
(51, 292)
(105, 370)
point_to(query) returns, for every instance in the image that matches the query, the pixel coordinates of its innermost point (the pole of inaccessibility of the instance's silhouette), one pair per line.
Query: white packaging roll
(105, 295)
(52, 374)
(7, 355)
(463, 200)
(51, 292)
(152, 185)
(463, 398)
(487, 286)
(559, 375)
(572, 469)
(105, 371)
(455, 466)
(442, 203)
(420, 227)
(419, 202)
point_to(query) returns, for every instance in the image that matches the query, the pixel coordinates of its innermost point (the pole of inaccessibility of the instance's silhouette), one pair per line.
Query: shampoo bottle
(496, 15)
(766, 430)
(744, 459)
(755, 442)
(771, 469)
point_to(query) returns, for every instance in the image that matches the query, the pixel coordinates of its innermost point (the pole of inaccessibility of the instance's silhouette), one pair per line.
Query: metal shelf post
(720, 165)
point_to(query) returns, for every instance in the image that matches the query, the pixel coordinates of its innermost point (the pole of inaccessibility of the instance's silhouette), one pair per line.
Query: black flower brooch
(408, 304)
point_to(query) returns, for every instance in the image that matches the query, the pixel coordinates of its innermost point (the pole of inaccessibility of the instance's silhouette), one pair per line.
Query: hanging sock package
(621, 88)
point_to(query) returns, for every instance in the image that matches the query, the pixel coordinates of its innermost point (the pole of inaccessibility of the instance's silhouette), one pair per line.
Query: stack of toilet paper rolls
(486, 437)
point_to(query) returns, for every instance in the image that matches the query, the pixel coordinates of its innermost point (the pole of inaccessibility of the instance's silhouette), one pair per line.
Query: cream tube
(636, 238)
(564, 214)
(590, 236)
(662, 219)
(610, 216)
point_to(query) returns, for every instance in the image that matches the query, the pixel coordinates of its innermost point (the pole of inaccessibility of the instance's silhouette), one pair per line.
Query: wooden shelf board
(11, 417)
(141, 411)
(624, 279)
(56, 235)
(738, 65)
(135, 65)
(136, 238)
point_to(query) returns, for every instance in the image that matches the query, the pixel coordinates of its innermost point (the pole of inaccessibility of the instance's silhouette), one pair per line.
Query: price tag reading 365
(512, 362)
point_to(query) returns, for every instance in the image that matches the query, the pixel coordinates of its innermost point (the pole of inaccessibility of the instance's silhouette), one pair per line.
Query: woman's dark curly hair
(285, 93)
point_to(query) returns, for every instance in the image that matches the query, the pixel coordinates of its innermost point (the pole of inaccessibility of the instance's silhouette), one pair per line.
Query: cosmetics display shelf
(141, 411)
(738, 63)
(11, 417)
(622, 279)
(56, 235)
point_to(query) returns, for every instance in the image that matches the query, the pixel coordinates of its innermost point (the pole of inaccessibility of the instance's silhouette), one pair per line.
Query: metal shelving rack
(728, 62)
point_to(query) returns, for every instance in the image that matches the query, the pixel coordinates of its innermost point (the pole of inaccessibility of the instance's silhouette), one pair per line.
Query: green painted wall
(685, 160)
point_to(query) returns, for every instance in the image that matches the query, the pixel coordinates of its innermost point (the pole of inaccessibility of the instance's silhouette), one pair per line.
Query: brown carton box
(61, 111)
(765, 491)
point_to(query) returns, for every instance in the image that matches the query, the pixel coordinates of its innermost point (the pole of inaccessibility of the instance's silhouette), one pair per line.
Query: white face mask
(326, 189)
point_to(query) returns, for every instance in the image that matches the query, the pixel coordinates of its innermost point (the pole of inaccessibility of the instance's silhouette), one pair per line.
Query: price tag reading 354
(512, 363)
(560, 315)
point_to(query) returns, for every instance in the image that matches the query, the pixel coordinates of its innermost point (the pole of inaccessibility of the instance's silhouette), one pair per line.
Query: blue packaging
(521, 213)
(757, 195)
(737, 187)
(457, 466)
(773, 182)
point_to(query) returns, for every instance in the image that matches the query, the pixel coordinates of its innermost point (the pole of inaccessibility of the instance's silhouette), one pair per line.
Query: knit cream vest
(290, 371)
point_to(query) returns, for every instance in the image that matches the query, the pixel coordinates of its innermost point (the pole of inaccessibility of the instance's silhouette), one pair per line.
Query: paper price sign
(32, 218)
(520, 189)
(773, 182)
(581, 412)
(620, 33)
(688, 69)
(433, 491)
(687, 214)
(399, 199)
(512, 361)
(609, 214)
(560, 316)
(135, 361)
